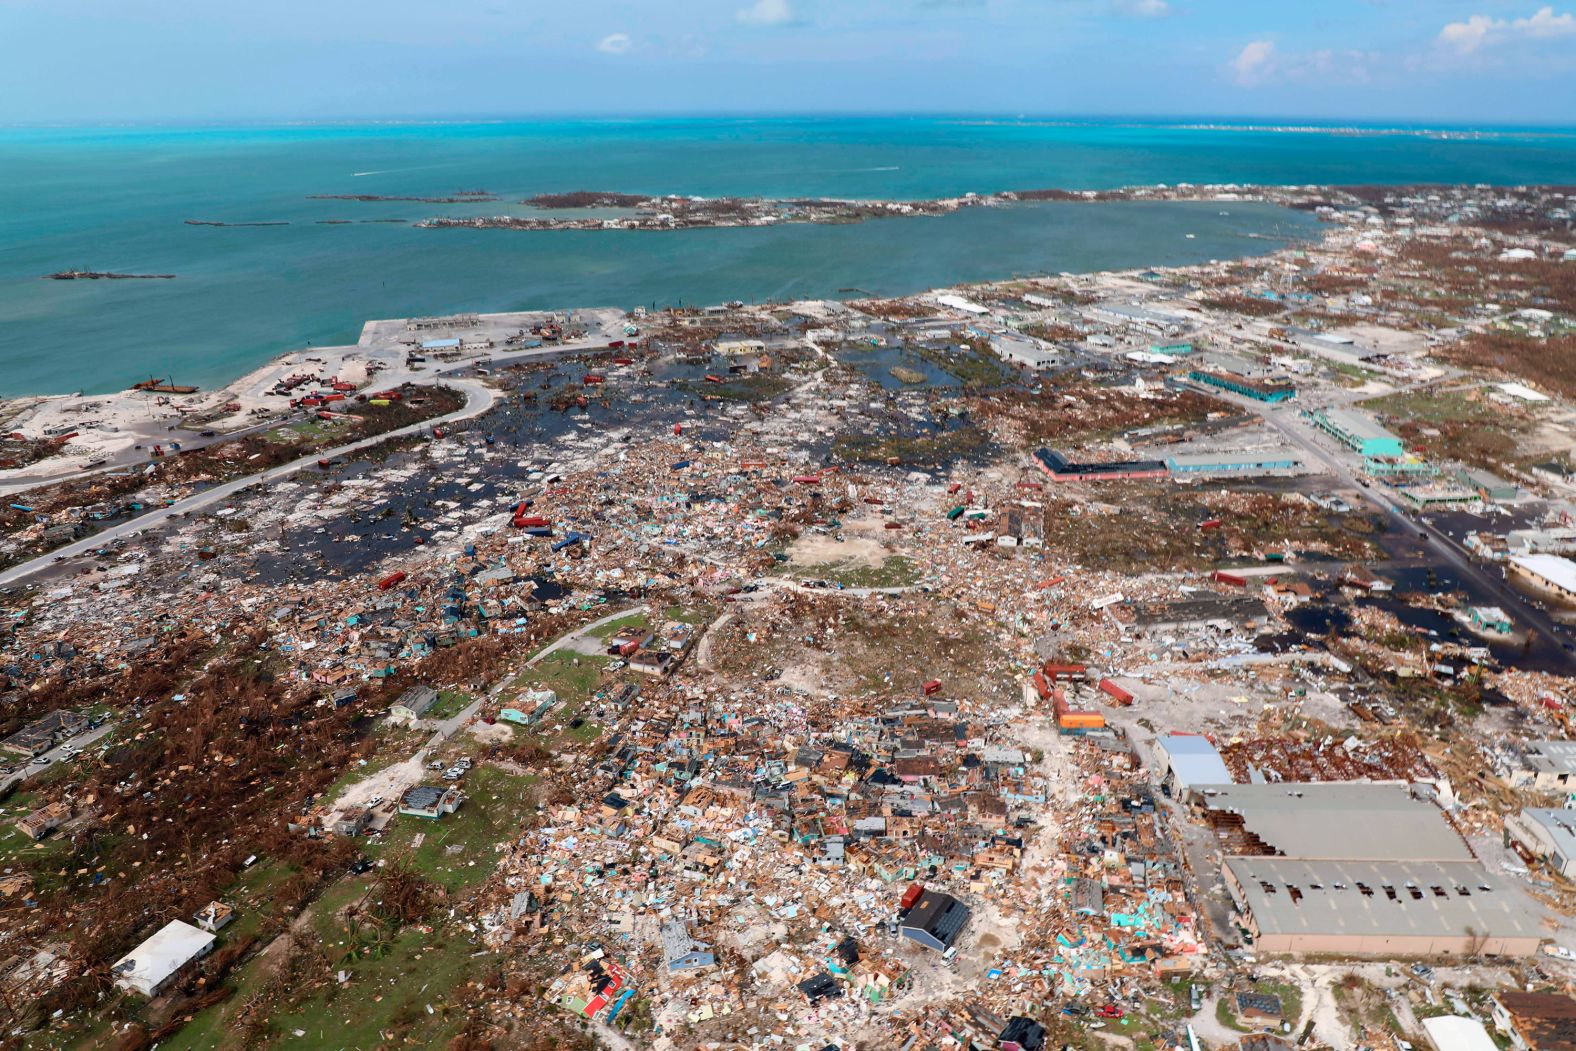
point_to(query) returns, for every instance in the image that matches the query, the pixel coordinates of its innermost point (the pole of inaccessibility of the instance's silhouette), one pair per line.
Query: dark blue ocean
(116, 200)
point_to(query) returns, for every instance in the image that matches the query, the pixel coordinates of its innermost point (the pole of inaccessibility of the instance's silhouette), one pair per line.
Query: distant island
(104, 275)
(458, 197)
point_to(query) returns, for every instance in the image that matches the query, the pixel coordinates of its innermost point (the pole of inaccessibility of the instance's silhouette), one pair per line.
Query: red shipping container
(1052, 669)
(1117, 694)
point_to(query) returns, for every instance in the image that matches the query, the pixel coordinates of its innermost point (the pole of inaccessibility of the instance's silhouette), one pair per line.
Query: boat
(157, 386)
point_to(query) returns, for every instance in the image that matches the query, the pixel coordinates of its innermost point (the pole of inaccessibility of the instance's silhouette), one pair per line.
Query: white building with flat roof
(1456, 1033)
(149, 968)
(1552, 572)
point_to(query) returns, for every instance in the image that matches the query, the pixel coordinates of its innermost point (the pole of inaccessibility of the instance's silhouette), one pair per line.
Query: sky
(142, 61)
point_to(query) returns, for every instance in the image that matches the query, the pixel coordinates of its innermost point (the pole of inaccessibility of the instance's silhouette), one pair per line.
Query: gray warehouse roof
(1356, 424)
(1558, 824)
(1392, 898)
(1349, 820)
(1555, 757)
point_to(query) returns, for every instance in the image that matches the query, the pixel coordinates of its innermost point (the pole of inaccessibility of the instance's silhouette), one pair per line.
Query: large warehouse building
(1359, 869)
(1359, 433)
(1550, 572)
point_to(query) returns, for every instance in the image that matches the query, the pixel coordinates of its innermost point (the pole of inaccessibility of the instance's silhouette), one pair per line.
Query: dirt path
(704, 646)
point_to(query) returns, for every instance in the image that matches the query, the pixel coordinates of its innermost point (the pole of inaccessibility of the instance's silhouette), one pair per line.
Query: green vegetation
(687, 616)
(573, 676)
(1290, 999)
(389, 991)
(449, 704)
(894, 572)
(1226, 1017)
(296, 433)
(1352, 375)
(761, 386)
(390, 744)
(457, 850)
(637, 619)
(1432, 406)
(1454, 425)
(975, 364)
(393, 976)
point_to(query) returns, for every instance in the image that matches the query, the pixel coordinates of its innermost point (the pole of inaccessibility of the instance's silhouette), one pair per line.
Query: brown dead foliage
(893, 309)
(1248, 306)
(1549, 362)
(1072, 414)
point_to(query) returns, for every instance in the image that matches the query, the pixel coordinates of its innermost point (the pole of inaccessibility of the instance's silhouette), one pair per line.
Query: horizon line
(1187, 120)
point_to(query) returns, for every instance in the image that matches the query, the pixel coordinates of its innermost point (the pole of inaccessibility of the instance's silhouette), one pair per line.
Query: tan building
(44, 820)
(1379, 908)
(1359, 869)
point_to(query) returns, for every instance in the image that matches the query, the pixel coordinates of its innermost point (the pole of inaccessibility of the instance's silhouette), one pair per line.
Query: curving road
(479, 399)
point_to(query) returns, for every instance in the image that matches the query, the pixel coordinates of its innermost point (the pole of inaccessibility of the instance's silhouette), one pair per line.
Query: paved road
(81, 741)
(478, 400)
(1519, 607)
(131, 458)
(448, 727)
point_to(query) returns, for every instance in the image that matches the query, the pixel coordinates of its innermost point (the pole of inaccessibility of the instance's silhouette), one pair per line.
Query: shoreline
(107, 430)
(1182, 193)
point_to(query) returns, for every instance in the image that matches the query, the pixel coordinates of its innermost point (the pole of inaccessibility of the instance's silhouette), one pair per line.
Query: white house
(149, 968)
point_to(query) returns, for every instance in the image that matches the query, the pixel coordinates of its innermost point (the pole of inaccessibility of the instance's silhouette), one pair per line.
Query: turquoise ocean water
(115, 199)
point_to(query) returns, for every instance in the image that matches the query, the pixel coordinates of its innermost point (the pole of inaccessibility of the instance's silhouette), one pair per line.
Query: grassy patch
(573, 676)
(935, 449)
(449, 704)
(759, 387)
(613, 627)
(975, 364)
(1352, 375)
(1226, 1017)
(1454, 425)
(894, 572)
(388, 995)
(393, 744)
(457, 850)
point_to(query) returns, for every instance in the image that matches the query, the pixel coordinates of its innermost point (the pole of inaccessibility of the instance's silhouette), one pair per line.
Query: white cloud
(767, 13)
(1254, 63)
(1143, 8)
(615, 44)
(1481, 31)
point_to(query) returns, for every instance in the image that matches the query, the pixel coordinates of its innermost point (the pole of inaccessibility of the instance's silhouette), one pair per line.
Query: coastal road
(478, 399)
(130, 458)
(600, 333)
